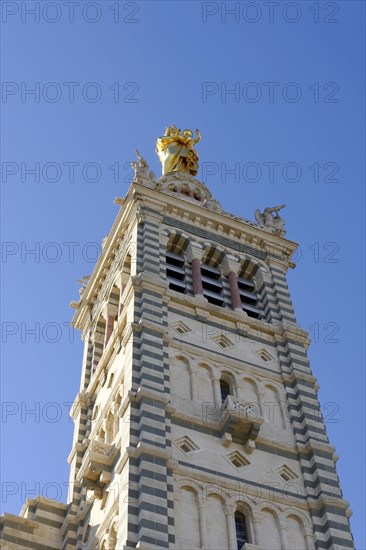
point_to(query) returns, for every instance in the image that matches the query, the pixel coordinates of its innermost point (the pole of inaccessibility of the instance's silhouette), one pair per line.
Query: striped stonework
(40, 521)
(150, 435)
(195, 411)
(327, 508)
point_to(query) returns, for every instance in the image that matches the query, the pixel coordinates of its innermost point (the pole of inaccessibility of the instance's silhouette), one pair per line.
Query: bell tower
(197, 423)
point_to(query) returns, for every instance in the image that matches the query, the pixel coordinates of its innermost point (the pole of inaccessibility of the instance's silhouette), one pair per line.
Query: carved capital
(194, 251)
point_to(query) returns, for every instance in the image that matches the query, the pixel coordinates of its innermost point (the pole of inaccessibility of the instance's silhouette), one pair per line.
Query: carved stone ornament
(271, 220)
(142, 169)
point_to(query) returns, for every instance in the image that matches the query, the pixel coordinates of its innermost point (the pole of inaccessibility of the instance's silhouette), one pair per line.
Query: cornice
(111, 249)
(142, 201)
(218, 219)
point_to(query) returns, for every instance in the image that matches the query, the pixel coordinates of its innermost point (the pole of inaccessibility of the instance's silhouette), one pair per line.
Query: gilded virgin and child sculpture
(176, 151)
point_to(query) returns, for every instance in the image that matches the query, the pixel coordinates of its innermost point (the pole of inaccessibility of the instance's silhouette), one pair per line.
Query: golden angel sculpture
(176, 151)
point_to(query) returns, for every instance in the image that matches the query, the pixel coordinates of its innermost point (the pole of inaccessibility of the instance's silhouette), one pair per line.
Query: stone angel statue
(271, 219)
(176, 151)
(142, 168)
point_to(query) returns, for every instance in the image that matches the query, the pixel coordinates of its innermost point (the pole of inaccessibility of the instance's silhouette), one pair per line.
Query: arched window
(187, 514)
(125, 277)
(176, 269)
(95, 413)
(212, 277)
(247, 288)
(217, 533)
(110, 425)
(126, 270)
(113, 299)
(101, 435)
(111, 313)
(212, 284)
(273, 412)
(225, 389)
(180, 378)
(249, 300)
(110, 380)
(270, 530)
(175, 272)
(98, 341)
(241, 532)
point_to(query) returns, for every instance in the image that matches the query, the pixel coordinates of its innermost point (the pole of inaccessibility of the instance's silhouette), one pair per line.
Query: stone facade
(197, 423)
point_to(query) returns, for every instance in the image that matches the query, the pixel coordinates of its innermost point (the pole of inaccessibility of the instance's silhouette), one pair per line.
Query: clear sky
(108, 77)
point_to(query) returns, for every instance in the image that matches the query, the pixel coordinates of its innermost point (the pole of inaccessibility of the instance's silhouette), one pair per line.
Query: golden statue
(176, 151)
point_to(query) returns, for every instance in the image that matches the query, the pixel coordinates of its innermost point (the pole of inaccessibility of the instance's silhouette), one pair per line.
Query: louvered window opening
(212, 285)
(175, 272)
(248, 296)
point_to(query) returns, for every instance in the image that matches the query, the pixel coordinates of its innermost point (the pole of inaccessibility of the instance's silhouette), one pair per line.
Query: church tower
(197, 423)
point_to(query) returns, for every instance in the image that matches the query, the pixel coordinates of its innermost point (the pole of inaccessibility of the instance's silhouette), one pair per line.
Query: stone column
(196, 277)
(234, 290)
(231, 529)
(203, 525)
(110, 314)
(231, 267)
(121, 289)
(109, 329)
(194, 256)
(283, 537)
(193, 373)
(239, 391)
(217, 392)
(261, 404)
(257, 531)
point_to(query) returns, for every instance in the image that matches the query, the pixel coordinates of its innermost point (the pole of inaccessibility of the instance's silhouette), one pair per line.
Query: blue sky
(109, 82)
